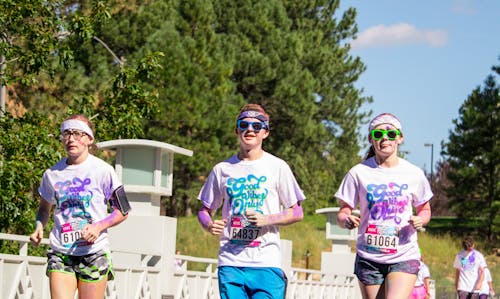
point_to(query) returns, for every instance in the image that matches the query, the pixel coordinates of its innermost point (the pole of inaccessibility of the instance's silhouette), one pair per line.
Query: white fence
(23, 277)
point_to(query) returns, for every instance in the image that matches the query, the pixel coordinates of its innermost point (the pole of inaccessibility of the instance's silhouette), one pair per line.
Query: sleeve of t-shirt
(288, 189)
(46, 190)
(424, 192)
(482, 262)
(457, 264)
(425, 272)
(210, 194)
(110, 182)
(348, 190)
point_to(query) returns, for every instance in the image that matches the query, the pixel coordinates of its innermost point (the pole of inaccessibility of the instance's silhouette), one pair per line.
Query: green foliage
(35, 32)
(28, 145)
(291, 57)
(30, 142)
(127, 106)
(473, 153)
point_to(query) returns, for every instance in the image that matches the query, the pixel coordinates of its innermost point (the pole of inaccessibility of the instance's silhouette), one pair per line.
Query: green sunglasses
(379, 134)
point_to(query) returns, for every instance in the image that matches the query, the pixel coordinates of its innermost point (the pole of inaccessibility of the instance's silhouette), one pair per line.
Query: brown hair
(468, 242)
(85, 119)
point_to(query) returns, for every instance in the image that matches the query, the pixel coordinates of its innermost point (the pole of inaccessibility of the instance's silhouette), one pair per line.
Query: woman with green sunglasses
(386, 188)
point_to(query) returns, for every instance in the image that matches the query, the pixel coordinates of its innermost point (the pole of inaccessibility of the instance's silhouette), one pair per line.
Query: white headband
(385, 118)
(74, 124)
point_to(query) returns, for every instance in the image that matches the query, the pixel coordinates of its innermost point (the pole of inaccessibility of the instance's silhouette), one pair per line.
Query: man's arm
(215, 227)
(287, 216)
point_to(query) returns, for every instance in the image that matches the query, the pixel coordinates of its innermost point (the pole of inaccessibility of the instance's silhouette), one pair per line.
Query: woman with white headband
(386, 188)
(80, 187)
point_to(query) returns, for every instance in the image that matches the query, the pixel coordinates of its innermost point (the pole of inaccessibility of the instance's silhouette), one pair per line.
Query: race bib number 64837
(243, 233)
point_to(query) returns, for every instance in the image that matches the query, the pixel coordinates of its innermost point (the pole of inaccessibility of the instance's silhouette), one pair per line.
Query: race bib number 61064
(381, 239)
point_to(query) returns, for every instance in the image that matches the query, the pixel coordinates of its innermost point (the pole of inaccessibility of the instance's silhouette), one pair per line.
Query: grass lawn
(439, 244)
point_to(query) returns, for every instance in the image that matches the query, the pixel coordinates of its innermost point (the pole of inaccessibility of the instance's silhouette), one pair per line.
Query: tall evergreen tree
(473, 153)
(292, 57)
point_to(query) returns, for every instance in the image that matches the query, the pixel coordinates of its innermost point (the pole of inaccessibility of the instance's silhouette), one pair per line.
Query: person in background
(258, 193)
(469, 267)
(177, 261)
(487, 286)
(421, 290)
(80, 187)
(387, 188)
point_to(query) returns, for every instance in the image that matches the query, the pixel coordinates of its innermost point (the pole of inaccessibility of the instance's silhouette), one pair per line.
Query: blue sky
(423, 59)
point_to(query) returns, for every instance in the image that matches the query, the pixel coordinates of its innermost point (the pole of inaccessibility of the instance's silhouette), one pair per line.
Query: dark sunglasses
(379, 134)
(244, 125)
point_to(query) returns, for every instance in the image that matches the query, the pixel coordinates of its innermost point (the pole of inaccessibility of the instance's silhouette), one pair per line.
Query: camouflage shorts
(92, 267)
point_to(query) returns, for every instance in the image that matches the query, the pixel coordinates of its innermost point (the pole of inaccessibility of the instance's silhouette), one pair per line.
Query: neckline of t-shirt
(251, 161)
(71, 166)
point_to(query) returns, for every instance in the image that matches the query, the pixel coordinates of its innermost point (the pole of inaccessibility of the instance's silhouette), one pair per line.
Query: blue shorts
(251, 282)
(373, 273)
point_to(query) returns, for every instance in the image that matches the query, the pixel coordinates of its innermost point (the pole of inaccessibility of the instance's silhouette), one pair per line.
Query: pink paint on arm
(287, 216)
(424, 212)
(204, 217)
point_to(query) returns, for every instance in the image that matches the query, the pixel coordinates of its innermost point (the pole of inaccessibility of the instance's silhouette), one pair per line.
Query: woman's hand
(351, 222)
(90, 233)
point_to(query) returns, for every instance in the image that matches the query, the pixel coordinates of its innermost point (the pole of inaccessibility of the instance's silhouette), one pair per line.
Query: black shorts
(373, 273)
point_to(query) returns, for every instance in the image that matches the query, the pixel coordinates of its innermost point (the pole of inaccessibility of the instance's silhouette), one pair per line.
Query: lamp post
(431, 145)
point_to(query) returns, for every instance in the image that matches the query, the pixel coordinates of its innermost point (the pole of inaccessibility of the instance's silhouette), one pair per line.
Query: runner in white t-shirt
(257, 192)
(386, 188)
(487, 286)
(79, 187)
(469, 267)
(422, 284)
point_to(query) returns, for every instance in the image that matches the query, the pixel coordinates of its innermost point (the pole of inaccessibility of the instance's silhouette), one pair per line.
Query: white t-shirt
(423, 273)
(485, 287)
(80, 194)
(263, 185)
(386, 197)
(469, 264)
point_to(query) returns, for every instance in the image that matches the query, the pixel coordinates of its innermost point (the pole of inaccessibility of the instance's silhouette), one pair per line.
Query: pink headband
(385, 118)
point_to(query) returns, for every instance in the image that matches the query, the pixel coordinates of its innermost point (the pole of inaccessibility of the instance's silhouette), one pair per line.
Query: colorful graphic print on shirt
(387, 201)
(72, 202)
(386, 204)
(245, 193)
(468, 261)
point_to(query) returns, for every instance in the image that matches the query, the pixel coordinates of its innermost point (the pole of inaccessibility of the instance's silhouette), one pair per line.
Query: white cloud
(463, 7)
(399, 34)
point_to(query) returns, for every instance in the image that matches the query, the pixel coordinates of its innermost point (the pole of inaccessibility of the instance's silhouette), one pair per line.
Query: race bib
(242, 232)
(71, 233)
(381, 239)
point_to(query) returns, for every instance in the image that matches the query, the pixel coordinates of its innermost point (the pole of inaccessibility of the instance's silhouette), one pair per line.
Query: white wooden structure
(143, 247)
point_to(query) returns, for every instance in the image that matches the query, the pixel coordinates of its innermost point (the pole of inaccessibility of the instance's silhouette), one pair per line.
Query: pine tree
(473, 153)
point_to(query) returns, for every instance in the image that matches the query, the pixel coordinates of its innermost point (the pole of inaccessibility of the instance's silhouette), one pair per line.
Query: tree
(291, 57)
(30, 141)
(31, 36)
(473, 153)
(440, 202)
